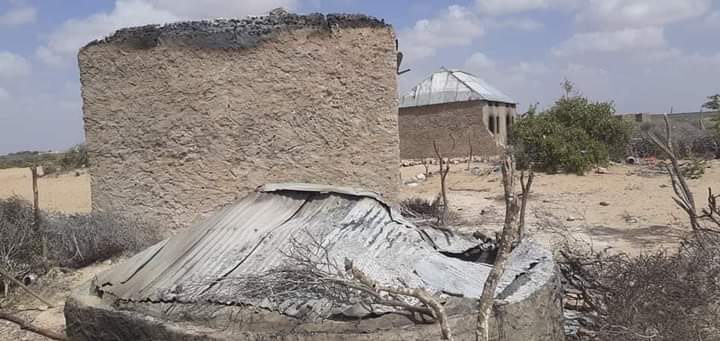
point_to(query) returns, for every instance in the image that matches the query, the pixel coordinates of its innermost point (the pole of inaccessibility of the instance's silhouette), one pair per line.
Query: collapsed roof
(447, 86)
(256, 234)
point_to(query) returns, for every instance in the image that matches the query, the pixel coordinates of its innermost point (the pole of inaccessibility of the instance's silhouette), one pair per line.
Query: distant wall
(184, 118)
(467, 122)
(694, 118)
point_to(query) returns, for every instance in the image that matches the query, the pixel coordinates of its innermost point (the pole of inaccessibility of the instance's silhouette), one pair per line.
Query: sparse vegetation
(74, 158)
(572, 136)
(73, 240)
(656, 296)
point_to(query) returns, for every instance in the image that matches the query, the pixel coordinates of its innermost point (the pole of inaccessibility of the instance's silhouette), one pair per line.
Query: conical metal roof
(447, 86)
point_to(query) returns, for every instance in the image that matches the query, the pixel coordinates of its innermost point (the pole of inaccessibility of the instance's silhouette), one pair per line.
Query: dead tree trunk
(525, 187)
(36, 210)
(442, 218)
(470, 157)
(684, 197)
(487, 297)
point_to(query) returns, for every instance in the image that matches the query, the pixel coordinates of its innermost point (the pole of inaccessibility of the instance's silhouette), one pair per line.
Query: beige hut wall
(176, 132)
(464, 122)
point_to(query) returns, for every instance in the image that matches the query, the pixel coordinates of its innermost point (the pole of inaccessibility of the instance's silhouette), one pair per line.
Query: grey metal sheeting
(253, 235)
(448, 86)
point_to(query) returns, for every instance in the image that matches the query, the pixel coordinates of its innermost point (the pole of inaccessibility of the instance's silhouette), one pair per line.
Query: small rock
(420, 177)
(601, 170)
(412, 184)
(604, 203)
(108, 262)
(571, 218)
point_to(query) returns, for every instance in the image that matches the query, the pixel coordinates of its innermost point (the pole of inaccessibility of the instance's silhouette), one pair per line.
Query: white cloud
(64, 42)
(503, 7)
(4, 94)
(194, 9)
(75, 33)
(613, 41)
(613, 14)
(712, 19)
(456, 26)
(529, 68)
(479, 61)
(12, 65)
(524, 24)
(18, 16)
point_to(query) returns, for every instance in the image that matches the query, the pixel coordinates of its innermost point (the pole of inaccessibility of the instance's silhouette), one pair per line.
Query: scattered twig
(5, 274)
(25, 325)
(438, 311)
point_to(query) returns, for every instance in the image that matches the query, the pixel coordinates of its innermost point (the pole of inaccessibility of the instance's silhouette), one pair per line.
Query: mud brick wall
(466, 122)
(184, 118)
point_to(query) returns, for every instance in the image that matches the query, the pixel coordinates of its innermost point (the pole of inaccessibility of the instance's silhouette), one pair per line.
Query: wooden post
(36, 210)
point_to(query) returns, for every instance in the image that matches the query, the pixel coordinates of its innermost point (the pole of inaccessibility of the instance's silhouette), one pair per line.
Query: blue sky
(645, 55)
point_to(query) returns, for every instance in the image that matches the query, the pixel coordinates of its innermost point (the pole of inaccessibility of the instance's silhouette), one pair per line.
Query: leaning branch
(25, 325)
(5, 274)
(438, 311)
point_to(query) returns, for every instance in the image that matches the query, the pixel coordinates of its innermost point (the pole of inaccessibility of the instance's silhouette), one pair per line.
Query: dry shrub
(424, 210)
(81, 239)
(657, 296)
(73, 240)
(20, 246)
(420, 208)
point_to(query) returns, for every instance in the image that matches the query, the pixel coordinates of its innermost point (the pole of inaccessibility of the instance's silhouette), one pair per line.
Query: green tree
(713, 102)
(572, 136)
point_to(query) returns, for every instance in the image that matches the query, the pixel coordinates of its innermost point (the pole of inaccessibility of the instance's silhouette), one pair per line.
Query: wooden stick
(5, 274)
(25, 325)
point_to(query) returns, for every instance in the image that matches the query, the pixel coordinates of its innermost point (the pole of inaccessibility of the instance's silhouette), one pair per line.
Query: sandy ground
(54, 287)
(637, 215)
(619, 210)
(67, 193)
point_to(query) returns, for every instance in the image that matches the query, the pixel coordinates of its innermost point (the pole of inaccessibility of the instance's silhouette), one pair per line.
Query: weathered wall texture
(184, 118)
(467, 122)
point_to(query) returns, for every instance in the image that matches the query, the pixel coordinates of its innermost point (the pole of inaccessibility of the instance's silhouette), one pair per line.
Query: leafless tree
(525, 186)
(509, 233)
(444, 164)
(684, 197)
(470, 147)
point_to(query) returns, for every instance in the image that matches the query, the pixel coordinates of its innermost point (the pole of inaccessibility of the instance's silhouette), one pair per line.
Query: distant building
(456, 110)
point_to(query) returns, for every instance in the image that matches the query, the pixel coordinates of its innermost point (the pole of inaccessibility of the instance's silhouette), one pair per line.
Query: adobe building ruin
(454, 108)
(183, 118)
(281, 264)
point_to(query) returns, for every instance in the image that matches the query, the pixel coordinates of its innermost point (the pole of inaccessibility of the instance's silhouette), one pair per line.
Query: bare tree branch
(487, 297)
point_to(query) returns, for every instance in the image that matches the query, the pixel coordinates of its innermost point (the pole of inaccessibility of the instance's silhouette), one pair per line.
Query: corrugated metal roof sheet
(255, 235)
(447, 86)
